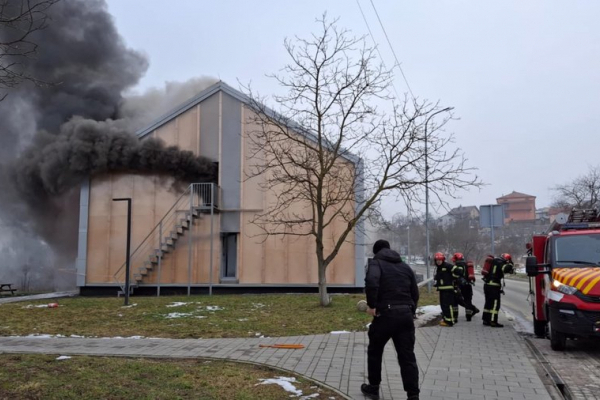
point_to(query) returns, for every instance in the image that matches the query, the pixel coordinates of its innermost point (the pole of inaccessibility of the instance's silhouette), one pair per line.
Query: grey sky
(524, 77)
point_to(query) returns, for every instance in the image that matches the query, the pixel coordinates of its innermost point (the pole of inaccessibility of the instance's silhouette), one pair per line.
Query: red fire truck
(564, 278)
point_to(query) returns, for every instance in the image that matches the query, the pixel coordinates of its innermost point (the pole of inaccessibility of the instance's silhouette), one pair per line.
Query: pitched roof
(462, 210)
(222, 86)
(514, 195)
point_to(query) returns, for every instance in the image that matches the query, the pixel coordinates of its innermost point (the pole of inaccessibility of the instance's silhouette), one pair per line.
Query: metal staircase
(198, 199)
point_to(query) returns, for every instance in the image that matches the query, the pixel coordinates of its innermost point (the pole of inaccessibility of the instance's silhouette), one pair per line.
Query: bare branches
(328, 154)
(19, 19)
(583, 192)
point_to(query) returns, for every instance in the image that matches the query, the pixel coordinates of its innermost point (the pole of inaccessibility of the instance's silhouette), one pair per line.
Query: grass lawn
(27, 376)
(219, 316)
(30, 376)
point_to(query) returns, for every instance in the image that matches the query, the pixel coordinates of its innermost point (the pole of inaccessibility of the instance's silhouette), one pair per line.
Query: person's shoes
(486, 323)
(413, 397)
(475, 312)
(370, 391)
(469, 318)
(496, 325)
(444, 323)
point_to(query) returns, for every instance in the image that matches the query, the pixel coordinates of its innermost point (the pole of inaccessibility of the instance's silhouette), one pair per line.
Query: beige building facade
(200, 236)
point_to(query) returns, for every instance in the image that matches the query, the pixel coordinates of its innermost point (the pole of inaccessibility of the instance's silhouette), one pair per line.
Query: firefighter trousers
(398, 325)
(448, 305)
(465, 299)
(492, 303)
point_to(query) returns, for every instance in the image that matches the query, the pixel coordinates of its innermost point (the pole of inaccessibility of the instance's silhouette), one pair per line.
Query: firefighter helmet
(458, 257)
(506, 257)
(439, 257)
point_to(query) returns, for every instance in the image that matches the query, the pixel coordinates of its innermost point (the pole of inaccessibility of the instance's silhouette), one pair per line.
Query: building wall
(213, 128)
(518, 208)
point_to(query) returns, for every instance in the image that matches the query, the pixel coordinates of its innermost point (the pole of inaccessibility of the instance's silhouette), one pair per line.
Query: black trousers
(448, 305)
(492, 303)
(398, 325)
(465, 299)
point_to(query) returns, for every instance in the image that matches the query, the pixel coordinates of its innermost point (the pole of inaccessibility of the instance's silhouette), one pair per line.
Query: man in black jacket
(392, 297)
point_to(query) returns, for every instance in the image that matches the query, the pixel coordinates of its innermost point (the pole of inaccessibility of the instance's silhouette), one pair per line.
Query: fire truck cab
(564, 278)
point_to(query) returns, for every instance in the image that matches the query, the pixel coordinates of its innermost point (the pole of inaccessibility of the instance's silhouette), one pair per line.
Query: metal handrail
(193, 191)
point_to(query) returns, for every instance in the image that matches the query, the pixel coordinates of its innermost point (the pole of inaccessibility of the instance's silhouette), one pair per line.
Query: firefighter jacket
(446, 275)
(499, 268)
(390, 281)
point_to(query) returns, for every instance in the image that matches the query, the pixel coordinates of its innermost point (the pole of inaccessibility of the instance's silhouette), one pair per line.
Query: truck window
(577, 248)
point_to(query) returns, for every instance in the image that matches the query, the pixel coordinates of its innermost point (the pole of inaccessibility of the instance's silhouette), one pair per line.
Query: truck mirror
(531, 266)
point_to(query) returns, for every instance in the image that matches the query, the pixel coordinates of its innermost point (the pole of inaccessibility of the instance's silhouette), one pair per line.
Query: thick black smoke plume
(56, 164)
(55, 135)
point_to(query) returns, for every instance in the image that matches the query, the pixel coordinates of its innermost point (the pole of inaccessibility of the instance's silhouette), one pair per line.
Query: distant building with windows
(468, 213)
(518, 207)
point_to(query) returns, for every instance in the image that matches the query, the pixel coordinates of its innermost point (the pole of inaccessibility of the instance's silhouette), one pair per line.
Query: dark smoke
(56, 164)
(56, 135)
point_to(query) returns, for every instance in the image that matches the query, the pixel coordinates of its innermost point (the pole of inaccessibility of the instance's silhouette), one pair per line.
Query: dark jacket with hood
(390, 281)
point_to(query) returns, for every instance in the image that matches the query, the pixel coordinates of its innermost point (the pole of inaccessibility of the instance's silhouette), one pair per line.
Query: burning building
(199, 236)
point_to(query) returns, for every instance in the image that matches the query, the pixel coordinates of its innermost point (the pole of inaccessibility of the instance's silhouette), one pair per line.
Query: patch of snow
(310, 396)
(63, 358)
(426, 314)
(242, 319)
(177, 304)
(286, 383)
(213, 308)
(177, 315)
(76, 336)
(37, 306)
(338, 332)
(258, 305)
(200, 316)
(129, 306)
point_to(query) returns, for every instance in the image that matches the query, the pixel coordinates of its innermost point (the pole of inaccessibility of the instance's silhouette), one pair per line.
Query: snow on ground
(288, 385)
(338, 332)
(177, 304)
(63, 358)
(177, 315)
(426, 314)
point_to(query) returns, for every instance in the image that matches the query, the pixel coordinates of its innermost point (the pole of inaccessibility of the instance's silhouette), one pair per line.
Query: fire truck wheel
(558, 340)
(539, 328)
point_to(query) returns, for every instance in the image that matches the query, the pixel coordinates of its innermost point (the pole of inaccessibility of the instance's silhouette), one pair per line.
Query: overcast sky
(523, 76)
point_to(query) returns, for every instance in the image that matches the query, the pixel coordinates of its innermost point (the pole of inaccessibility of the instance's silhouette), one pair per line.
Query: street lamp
(127, 254)
(427, 195)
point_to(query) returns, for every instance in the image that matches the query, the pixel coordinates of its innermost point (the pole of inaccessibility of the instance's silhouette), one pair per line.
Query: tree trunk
(324, 298)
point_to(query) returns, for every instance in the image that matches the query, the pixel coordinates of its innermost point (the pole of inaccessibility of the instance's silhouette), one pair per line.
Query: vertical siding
(230, 162)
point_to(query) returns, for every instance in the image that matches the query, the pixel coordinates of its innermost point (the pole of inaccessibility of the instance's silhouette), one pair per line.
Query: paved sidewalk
(467, 361)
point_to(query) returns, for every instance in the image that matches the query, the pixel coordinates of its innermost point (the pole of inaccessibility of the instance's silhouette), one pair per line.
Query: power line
(376, 47)
(391, 47)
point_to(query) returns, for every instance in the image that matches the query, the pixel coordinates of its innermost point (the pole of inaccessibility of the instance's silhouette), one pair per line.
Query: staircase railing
(198, 198)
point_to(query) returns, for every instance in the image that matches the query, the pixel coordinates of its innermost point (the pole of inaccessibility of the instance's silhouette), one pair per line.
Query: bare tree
(19, 19)
(583, 192)
(330, 149)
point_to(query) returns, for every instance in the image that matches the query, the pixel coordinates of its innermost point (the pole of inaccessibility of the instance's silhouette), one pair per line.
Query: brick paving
(578, 366)
(467, 361)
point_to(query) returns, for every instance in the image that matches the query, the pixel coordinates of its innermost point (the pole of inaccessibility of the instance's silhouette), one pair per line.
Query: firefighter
(493, 289)
(464, 290)
(445, 277)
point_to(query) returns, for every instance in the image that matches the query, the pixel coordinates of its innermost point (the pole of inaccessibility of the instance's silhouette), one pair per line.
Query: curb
(557, 381)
